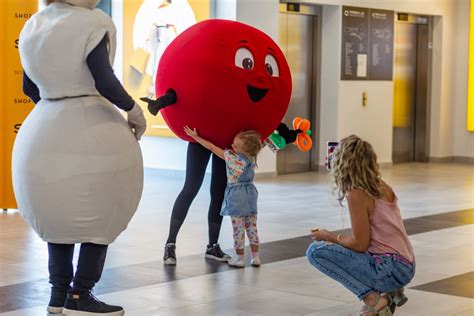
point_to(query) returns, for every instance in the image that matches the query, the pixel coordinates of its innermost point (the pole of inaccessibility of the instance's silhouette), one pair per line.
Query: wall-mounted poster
(149, 26)
(381, 44)
(355, 43)
(367, 44)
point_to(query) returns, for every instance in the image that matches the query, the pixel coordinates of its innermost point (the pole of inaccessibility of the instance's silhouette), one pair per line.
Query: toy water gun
(303, 140)
(275, 142)
(300, 136)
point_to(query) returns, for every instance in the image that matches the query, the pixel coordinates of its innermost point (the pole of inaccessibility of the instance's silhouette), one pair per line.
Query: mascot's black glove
(154, 106)
(288, 135)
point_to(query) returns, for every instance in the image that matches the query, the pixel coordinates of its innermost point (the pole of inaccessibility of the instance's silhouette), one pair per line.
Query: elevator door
(410, 93)
(297, 34)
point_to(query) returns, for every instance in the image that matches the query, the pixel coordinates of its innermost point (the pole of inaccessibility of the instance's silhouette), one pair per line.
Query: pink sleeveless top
(387, 232)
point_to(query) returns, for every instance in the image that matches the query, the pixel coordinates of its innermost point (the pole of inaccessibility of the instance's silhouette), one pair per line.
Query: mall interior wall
(463, 139)
(341, 101)
(449, 137)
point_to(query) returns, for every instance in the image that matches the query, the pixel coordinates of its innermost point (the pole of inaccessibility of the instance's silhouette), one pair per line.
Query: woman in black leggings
(196, 162)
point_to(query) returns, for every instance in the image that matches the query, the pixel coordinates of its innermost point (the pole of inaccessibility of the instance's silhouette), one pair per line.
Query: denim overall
(240, 198)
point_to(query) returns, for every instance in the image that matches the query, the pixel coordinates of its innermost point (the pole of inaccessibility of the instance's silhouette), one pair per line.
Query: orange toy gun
(303, 140)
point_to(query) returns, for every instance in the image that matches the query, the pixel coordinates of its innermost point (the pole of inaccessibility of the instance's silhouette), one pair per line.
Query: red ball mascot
(221, 77)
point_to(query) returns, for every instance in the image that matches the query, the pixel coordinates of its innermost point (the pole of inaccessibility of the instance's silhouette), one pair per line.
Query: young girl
(377, 261)
(240, 199)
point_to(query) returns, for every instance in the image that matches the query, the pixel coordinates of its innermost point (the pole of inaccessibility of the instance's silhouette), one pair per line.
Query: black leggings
(196, 162)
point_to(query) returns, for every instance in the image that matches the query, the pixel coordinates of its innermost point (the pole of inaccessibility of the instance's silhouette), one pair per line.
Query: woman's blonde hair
(251, 142)
(354, 166)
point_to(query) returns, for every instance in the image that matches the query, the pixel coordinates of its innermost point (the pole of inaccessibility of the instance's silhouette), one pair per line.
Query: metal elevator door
(410, 106)
(297, 38)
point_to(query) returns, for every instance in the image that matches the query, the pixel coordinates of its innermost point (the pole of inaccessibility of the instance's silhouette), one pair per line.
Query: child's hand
(190, 132)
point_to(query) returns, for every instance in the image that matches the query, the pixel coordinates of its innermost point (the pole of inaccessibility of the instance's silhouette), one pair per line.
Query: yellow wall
(470, 98)
(14, 105)
(137, 84)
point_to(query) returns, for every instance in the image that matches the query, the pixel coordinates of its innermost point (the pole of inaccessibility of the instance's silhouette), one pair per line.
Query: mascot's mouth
(256, 94)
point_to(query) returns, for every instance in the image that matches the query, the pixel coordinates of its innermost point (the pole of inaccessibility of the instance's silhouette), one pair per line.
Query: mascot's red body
(228, 77)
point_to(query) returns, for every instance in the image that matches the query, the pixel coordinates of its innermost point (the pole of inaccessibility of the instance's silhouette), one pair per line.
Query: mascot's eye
(271, 66)
(244, 59)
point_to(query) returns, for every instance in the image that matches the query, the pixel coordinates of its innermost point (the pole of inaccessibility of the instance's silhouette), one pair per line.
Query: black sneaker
(89, 305)
(215, 252)
(56, 302)
(169, 258)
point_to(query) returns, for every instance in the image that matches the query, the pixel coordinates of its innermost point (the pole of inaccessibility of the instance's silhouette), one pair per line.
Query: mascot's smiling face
(228, 77)
(258, 68)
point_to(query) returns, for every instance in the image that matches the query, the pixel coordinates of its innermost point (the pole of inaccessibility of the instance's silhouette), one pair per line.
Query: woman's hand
(191, 132)
(322, 235)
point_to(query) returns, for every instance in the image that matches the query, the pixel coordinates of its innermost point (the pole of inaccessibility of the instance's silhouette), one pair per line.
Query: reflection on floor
(437, 201)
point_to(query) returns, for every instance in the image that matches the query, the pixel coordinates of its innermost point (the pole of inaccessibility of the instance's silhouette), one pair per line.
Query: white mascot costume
(77, 167)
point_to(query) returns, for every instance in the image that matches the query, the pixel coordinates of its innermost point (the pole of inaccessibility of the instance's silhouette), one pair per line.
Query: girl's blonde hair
(354, 166)
(251, 142)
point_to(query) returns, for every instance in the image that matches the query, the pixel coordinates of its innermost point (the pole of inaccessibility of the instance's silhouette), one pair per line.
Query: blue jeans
(360, 272)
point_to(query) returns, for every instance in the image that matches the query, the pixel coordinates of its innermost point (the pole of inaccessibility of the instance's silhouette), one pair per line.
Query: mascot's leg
(218, 185)
(196, 163)
(89, 267)
(60, 274)
(80, 300)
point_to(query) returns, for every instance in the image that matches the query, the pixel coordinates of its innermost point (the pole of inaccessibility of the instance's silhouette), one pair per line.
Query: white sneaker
(237, 262)
(255, 262)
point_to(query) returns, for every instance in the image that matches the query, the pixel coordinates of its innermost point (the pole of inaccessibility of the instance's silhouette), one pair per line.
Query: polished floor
(436, 200)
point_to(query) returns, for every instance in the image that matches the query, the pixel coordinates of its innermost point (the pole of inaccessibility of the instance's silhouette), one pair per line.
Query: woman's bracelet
(339, 236)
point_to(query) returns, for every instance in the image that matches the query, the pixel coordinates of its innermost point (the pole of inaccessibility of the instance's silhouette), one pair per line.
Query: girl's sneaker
(237, 262)
(255, 262)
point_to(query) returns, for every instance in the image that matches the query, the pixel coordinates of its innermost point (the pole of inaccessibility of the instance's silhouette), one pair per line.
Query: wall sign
(367, 44)
(381, 44)
(355, 43)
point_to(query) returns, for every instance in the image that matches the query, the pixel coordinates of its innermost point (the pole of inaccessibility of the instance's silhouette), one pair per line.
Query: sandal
(396, 299)
(384, 311)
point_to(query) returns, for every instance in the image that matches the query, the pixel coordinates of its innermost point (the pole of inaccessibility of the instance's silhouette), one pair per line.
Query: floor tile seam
(32, 303)
(186, 300)
(467, 310)
(356, 311)
(311, 296)
(419, 287)
(437, 230)
(451, 295)
(211, 300)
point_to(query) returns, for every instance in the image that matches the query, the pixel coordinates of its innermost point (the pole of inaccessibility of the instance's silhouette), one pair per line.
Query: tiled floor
(436, 199)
